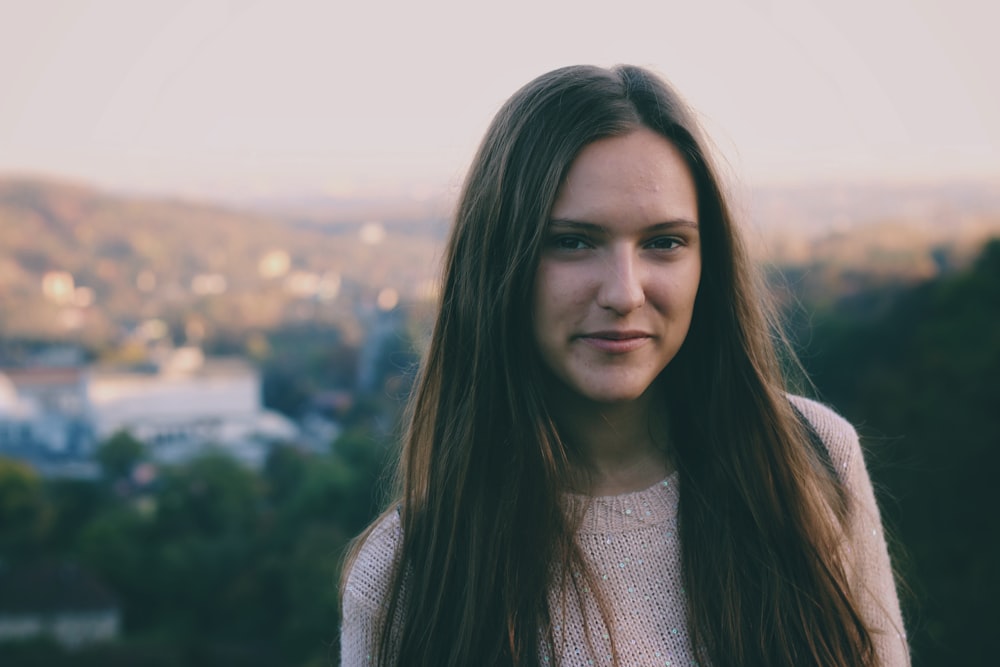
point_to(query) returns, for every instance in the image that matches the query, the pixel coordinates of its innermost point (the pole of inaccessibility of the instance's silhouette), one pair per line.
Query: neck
(622, 446)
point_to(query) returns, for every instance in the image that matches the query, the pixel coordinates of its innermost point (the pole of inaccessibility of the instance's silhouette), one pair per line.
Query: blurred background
(220, 228)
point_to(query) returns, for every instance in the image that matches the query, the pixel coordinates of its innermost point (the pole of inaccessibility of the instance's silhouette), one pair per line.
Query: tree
(920, 378)
(119, 454)
(211, 495)
(25, 513)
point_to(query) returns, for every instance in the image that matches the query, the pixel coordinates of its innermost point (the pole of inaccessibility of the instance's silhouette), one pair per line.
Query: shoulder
(366, 586)
(868, 561)
(370, 571)
(839, 436)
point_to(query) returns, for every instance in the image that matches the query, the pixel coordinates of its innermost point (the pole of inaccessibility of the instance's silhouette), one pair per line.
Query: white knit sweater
(632, 546)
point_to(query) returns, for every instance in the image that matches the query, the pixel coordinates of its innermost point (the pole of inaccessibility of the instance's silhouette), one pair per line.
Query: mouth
(613, 334)
(616, 342)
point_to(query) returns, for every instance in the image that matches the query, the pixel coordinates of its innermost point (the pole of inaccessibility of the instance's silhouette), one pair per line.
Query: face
(619, 271)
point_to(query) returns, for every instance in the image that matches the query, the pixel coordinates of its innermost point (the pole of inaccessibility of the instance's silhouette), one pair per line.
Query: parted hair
(483, 472)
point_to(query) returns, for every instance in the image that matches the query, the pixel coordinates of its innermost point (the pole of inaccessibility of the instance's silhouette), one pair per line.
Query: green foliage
(312, 593)
(921, 378)
(212, 495)
(228, 554)
(284, 471)
(213, 563)
(119, 454)
(73, 503)
(302, 360)
(367, 458)
(130, 653)
(113, 543)
(25, 516)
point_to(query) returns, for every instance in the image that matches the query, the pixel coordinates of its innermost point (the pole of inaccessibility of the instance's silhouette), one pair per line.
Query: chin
(614, 395)
(586, 388)
(616, 398)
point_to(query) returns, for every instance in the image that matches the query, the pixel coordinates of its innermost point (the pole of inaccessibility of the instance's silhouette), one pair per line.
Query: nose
(621, 288)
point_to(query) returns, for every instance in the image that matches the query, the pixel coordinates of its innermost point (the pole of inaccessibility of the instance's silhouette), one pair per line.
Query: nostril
(622, 294)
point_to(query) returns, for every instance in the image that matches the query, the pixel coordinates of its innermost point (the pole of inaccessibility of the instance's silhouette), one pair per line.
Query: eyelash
(562, 241)
(670, 239)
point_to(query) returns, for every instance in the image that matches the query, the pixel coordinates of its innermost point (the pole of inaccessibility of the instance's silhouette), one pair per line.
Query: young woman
(602, 465)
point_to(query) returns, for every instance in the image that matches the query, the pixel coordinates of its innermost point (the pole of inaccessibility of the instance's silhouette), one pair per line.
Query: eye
(664, 243)
(569, 242)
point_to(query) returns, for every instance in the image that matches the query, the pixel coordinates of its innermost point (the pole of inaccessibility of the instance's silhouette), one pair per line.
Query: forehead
(639, 173)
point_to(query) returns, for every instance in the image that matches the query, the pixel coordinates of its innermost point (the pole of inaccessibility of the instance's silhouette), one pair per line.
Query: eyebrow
(594, 227)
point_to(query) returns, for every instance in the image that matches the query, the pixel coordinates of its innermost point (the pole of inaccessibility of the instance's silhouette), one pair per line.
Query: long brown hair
(485, 532)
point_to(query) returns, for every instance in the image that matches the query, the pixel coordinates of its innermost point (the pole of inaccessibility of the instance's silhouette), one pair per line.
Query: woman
(602, 465)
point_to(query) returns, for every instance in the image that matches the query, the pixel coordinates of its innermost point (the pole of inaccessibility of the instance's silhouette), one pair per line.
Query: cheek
(540, 307)
(675, 292)
(558, 294)
(683, 287)
(544, 288)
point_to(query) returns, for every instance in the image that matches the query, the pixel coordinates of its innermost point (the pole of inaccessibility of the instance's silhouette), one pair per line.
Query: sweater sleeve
(365, 590)
(867, 553)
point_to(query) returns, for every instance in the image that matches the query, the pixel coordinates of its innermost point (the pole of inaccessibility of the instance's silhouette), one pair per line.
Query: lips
(616, 342)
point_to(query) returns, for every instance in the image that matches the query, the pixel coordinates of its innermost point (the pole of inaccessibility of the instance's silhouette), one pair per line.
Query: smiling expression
(619, 271)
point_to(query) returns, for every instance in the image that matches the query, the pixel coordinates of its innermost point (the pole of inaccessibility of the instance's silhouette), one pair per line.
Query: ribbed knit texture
(630, 541)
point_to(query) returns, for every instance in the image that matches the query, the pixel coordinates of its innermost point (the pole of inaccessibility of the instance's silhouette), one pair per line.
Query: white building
(44, 420)
(187, 403)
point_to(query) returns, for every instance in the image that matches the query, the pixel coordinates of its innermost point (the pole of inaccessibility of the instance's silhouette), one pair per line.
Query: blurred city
(198, 404)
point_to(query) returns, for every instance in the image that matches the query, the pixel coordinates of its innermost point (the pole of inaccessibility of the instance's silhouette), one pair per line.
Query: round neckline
(632, 510)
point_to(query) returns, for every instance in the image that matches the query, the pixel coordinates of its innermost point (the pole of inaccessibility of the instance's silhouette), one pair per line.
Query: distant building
(61, 602)
(186, 403)
(44, 419)
(54, 389)
(17, 416)
(53, 415)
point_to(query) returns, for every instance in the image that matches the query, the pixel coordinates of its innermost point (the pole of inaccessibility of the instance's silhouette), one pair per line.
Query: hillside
(79, 262)
(134, 258)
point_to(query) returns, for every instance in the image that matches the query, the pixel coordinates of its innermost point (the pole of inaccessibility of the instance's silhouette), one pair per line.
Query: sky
(241, 98)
